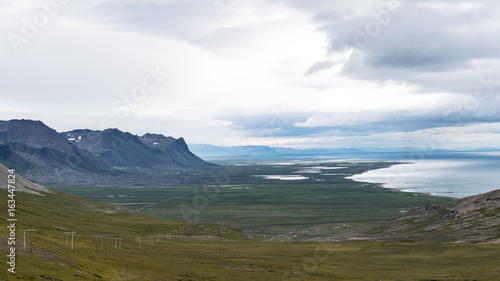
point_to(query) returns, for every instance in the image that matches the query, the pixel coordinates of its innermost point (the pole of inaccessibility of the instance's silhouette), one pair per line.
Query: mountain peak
(171, 150)
(154, 136)
(34, 133)
(26, 121)
(32, 146)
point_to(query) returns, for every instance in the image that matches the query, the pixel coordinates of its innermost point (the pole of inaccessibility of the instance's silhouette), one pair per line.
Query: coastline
(455, 178)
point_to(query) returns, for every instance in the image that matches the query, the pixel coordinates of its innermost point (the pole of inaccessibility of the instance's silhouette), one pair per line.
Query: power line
(168, 199)
(31, 240)
(97, 237)
(118, 243)
(70, 232)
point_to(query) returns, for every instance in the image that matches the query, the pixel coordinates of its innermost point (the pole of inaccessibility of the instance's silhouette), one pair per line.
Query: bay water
(442, 174)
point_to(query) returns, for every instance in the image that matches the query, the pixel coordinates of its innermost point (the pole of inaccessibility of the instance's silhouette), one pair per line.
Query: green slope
(211, 252)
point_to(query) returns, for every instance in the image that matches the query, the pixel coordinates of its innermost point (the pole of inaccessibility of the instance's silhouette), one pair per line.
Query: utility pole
(118, 243)
(71, 232)
(97, 237)
(31, 239)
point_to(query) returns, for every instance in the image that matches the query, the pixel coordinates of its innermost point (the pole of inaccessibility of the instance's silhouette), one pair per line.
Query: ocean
(442, 174)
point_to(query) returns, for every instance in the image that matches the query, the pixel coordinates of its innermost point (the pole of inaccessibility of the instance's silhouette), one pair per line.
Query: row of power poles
(98, 241)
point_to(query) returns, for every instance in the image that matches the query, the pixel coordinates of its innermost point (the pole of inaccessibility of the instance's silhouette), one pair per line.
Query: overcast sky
(317, 73)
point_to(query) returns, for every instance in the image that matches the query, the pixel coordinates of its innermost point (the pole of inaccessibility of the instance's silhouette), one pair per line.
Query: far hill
(263, 151)
(470, 219)
(208, 150)
(273, 152)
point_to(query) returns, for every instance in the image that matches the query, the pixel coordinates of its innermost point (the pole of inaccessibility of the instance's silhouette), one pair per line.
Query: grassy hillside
(212, 252)
(203, 256)
(53, 214)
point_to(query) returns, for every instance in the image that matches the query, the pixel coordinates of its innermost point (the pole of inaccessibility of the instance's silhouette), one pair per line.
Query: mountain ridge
(28, 145)
(40, 152)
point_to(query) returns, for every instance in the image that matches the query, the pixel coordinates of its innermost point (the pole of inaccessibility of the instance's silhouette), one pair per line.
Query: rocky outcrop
(470, 219)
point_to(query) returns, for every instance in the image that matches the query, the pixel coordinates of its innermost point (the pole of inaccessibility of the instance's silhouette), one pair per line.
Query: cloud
(178, 19)
(359, 123)
(352, 72)
(319, 66)
(437, 48)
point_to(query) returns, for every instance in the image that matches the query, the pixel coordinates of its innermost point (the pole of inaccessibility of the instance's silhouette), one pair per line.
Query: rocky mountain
(117, 149)
(31, 145)
(114, 148)
(43, 154)
(470, 219)
(171, 151)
